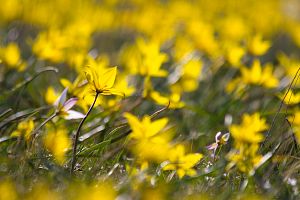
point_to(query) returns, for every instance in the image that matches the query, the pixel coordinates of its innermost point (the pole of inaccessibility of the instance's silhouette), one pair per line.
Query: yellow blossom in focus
(57, 142)
(24, 128)
(102, 81)
(257, 46)
(181, 162)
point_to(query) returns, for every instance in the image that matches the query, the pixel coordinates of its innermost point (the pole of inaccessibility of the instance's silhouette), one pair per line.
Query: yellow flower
(173, 100)
(291, 98)
(78, 89)
(234, 54)
(257, 46)
(250, 129)
(149, 142)
(75, 87)
(145, 128)
(245, 158)
(8, 190)
(94, 191)
(187, 80)
(295, 121)
(50, 45)
(259, 76)
(24, 129)
(181, 162)
(290, 65)
(57, 142)
(51, 95)
(151, 59)
(10, 55)
(102, 81)
(42, 191)
(203, 34)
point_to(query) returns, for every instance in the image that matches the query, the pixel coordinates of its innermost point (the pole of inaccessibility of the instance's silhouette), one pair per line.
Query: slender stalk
(34, 133)
(280, 107)
(77, 135)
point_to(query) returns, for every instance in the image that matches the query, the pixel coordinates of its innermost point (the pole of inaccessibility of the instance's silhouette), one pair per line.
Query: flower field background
(136, 99)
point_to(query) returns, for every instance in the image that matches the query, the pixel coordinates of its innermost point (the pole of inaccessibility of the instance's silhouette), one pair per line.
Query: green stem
(34, 133)
(77, 135)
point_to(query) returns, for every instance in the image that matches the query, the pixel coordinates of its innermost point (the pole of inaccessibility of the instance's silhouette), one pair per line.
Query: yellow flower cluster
(247, 137)
(152, 143)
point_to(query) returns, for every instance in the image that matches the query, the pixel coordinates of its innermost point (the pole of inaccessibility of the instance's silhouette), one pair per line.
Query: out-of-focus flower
(181, 162)
(256, 75)
(234, 54)
(24, 128)
(145, 59)
(250, 129)
(8, 190)
(150, 142)
(57, 142)
(43, 191)
(51, 95)
(204, 36)
(247, 137)
(94, 191)
(246, 158)
(188, 77)
(50, 45)
(151, 59)
(290, 98)
(259, 75)
(290, 64)
(295, 121)
(257, 46)
(10, 55)
(145, 129)
(172, 101)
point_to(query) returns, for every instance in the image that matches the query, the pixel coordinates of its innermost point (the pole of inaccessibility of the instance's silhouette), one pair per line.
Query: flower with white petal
(63, 107)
